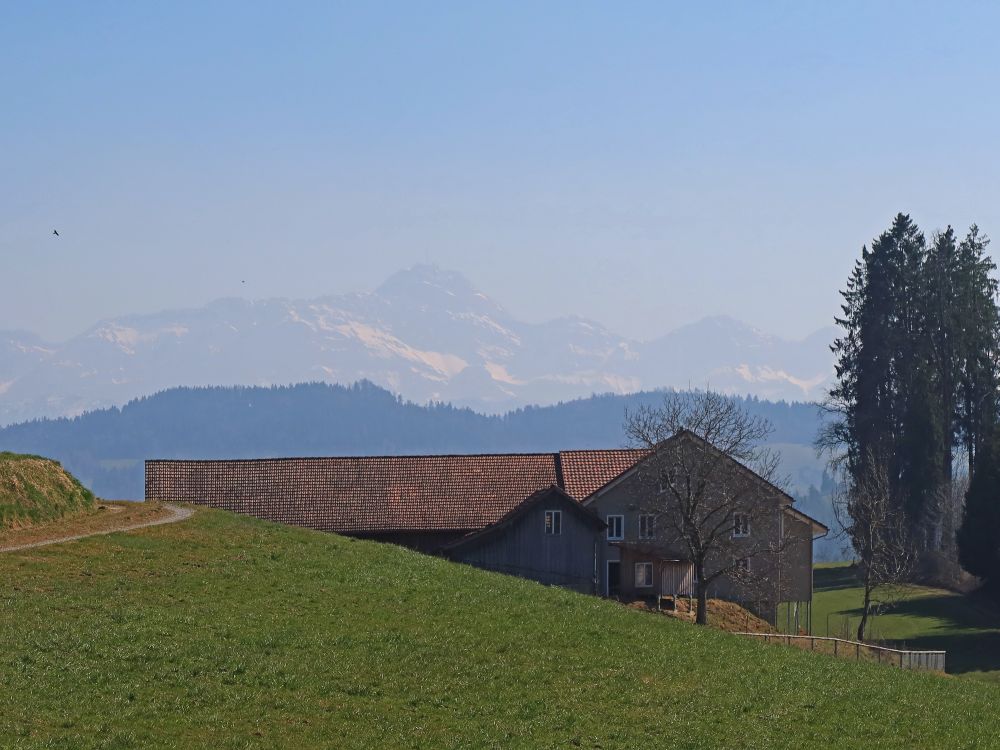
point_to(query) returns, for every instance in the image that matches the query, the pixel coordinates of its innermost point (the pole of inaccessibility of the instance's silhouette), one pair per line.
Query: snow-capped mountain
(425, 333)
(20, 353)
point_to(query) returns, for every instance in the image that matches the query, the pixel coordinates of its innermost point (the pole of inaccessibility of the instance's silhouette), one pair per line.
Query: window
(616, 527)
(553, 522)
(647, 529)
(741, 525)
(743, 566)
(643, 575)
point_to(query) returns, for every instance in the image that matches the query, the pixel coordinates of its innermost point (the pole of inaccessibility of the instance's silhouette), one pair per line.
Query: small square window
(553, 522)
(647, 526)
(643, 575)
(743, 566)
(741, 525)
(616, 527)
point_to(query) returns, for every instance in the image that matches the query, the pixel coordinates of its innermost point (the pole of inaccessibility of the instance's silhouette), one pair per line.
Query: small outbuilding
(550, 538)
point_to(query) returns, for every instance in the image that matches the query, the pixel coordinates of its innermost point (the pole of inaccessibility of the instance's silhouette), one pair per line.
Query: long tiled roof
(384, 493)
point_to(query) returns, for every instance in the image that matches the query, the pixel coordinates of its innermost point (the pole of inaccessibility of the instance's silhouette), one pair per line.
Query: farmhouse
(578, 519)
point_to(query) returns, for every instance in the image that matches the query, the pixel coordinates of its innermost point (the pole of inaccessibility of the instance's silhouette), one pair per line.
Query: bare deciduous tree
(871, 519)
(708, 509)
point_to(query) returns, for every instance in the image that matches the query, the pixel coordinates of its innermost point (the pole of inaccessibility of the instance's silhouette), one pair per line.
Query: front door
(614, 577)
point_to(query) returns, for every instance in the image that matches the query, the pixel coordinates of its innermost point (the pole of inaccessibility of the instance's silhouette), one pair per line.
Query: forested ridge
(106, 447)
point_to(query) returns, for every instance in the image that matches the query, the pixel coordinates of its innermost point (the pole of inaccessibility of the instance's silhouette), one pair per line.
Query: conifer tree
(917, 370)
(977, 347)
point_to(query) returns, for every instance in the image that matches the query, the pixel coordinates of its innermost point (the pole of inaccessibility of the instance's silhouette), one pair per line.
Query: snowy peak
(426, 333)
(423, 285)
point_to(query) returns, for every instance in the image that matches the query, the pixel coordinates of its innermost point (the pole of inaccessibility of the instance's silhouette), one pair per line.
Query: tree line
(915, 427)
(105, 448)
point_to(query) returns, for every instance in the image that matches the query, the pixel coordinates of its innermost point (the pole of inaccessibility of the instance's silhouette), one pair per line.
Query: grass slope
(35, 489)
(967, 627)
(108, 516)
(227, 632)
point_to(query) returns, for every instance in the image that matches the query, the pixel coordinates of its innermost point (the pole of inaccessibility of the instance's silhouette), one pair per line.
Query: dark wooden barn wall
(523, 549)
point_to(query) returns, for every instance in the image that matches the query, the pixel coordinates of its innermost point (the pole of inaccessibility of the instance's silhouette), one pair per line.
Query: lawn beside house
(227, 632)
(967, 627)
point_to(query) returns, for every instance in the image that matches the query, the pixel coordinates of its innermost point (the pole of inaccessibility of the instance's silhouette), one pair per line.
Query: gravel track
(177, 513)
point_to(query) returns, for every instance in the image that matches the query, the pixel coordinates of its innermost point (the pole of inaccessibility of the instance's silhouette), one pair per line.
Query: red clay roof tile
(585, 472)
(384, 493)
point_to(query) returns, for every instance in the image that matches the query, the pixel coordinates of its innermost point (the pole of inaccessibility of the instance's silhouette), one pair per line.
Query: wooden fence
(932, 661)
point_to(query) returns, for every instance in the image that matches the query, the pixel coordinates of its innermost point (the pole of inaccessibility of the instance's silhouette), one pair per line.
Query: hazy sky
(643, 164)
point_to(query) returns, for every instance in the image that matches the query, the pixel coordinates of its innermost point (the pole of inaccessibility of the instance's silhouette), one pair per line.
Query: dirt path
(176, 513)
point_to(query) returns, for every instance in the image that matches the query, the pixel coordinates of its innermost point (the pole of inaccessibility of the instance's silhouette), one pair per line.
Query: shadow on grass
(953, 610)
(966, 627)
(950, 611)
(968, 634)
(967, 652)
(840, 577)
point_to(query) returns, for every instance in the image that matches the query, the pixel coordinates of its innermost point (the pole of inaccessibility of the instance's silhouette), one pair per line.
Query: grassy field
(227, 632)
(967, 627)
(35, 490)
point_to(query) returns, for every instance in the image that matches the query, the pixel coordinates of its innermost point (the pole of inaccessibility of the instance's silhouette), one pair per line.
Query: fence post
(836, 642)
(857, 652)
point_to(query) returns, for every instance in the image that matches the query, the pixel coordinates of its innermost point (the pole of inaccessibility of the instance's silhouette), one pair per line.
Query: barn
(576, 519)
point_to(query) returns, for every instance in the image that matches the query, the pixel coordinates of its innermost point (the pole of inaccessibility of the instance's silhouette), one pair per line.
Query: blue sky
(643, 164)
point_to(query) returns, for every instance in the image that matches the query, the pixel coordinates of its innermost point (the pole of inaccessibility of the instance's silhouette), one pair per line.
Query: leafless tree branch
(710, 479)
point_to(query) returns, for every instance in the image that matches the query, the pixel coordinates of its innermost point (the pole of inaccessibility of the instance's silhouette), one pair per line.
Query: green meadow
(228, 632)
(967, 627)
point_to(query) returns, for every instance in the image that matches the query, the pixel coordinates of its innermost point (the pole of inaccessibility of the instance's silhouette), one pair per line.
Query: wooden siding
(523, 549)
(676, 579)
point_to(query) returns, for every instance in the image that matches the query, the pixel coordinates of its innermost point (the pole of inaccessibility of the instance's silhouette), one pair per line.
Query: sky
(640, 164)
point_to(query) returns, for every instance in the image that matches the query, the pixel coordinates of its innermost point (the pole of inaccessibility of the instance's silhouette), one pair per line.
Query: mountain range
(426, 334)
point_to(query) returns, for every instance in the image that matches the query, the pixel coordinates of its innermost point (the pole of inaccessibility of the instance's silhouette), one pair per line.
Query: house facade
(580, 519)
(769, 545)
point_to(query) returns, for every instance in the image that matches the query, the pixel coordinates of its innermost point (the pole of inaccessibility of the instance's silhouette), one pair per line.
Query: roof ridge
(538, 454)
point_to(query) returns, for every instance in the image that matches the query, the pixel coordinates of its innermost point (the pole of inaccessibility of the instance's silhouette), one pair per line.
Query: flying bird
(55, 232)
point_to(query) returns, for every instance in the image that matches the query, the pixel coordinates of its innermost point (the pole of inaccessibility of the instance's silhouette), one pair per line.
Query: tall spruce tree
(977, 348)
(976, 414)
(882, 365)
(916, 366)
(942, 303)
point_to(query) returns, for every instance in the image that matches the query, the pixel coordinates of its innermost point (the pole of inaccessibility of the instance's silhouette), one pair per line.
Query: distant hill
(106, 448)
(35, 489)
(425, 333)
